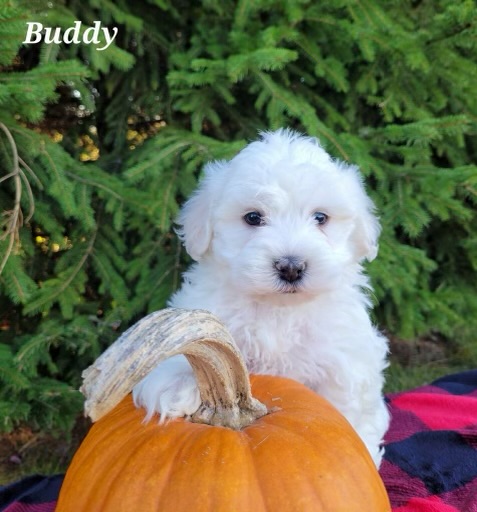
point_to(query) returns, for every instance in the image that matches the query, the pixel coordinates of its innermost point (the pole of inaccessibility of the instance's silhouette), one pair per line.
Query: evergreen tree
(88, 245)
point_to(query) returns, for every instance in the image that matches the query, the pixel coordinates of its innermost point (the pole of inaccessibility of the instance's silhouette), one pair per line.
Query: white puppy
(278, 234)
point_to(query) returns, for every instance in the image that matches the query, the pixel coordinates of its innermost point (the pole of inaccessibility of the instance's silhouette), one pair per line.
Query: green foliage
(52, 228)
(88, 246)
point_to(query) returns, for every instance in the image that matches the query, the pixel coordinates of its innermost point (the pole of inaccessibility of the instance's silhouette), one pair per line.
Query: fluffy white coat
(311, 325)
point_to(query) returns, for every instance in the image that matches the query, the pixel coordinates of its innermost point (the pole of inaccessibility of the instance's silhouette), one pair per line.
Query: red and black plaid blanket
(430, 463)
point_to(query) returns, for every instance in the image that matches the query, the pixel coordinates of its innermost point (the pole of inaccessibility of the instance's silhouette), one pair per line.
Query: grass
(400, 378)
(421, 361)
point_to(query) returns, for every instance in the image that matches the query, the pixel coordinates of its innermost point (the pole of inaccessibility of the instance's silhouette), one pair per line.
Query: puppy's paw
(169, 390)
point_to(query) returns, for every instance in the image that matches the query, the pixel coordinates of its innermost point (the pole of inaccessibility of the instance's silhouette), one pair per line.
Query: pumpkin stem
(217, 363)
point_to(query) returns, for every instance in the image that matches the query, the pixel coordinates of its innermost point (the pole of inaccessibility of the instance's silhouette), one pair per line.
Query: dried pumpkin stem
(218, 366)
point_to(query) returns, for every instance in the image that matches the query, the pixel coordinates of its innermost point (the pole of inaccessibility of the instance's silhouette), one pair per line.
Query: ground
(26, 452)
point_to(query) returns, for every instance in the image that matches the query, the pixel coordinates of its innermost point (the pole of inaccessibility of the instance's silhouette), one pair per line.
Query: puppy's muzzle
(290, 268)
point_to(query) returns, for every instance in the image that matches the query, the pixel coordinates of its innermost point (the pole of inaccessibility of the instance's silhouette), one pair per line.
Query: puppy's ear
(365, 235)
(364, 238)
(195, 218)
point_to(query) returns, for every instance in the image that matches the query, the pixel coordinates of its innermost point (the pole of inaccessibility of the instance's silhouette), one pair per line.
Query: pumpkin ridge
(182, 442)
(288, 437)
(134, 444)
(310, 483)
(257, 476)
(100, 434)
(285, 421)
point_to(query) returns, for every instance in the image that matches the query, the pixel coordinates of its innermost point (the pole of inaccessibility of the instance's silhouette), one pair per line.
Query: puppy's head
(281, 217)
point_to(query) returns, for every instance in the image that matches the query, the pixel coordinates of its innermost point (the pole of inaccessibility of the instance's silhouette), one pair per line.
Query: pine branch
(14, 219)
(56, 289)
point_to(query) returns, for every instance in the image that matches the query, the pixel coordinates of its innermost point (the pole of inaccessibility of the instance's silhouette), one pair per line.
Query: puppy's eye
(253, 218)
(320, 217)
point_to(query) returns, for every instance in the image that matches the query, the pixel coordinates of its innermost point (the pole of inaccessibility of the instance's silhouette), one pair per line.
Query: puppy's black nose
(290, 268)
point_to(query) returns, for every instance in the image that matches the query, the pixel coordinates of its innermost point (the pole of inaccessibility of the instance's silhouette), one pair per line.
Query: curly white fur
(311, 325)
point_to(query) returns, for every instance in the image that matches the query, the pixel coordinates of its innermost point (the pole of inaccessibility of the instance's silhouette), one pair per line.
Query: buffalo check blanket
(430, 462)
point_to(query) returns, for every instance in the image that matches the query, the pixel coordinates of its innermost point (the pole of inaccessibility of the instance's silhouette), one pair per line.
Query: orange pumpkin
(302, 455)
